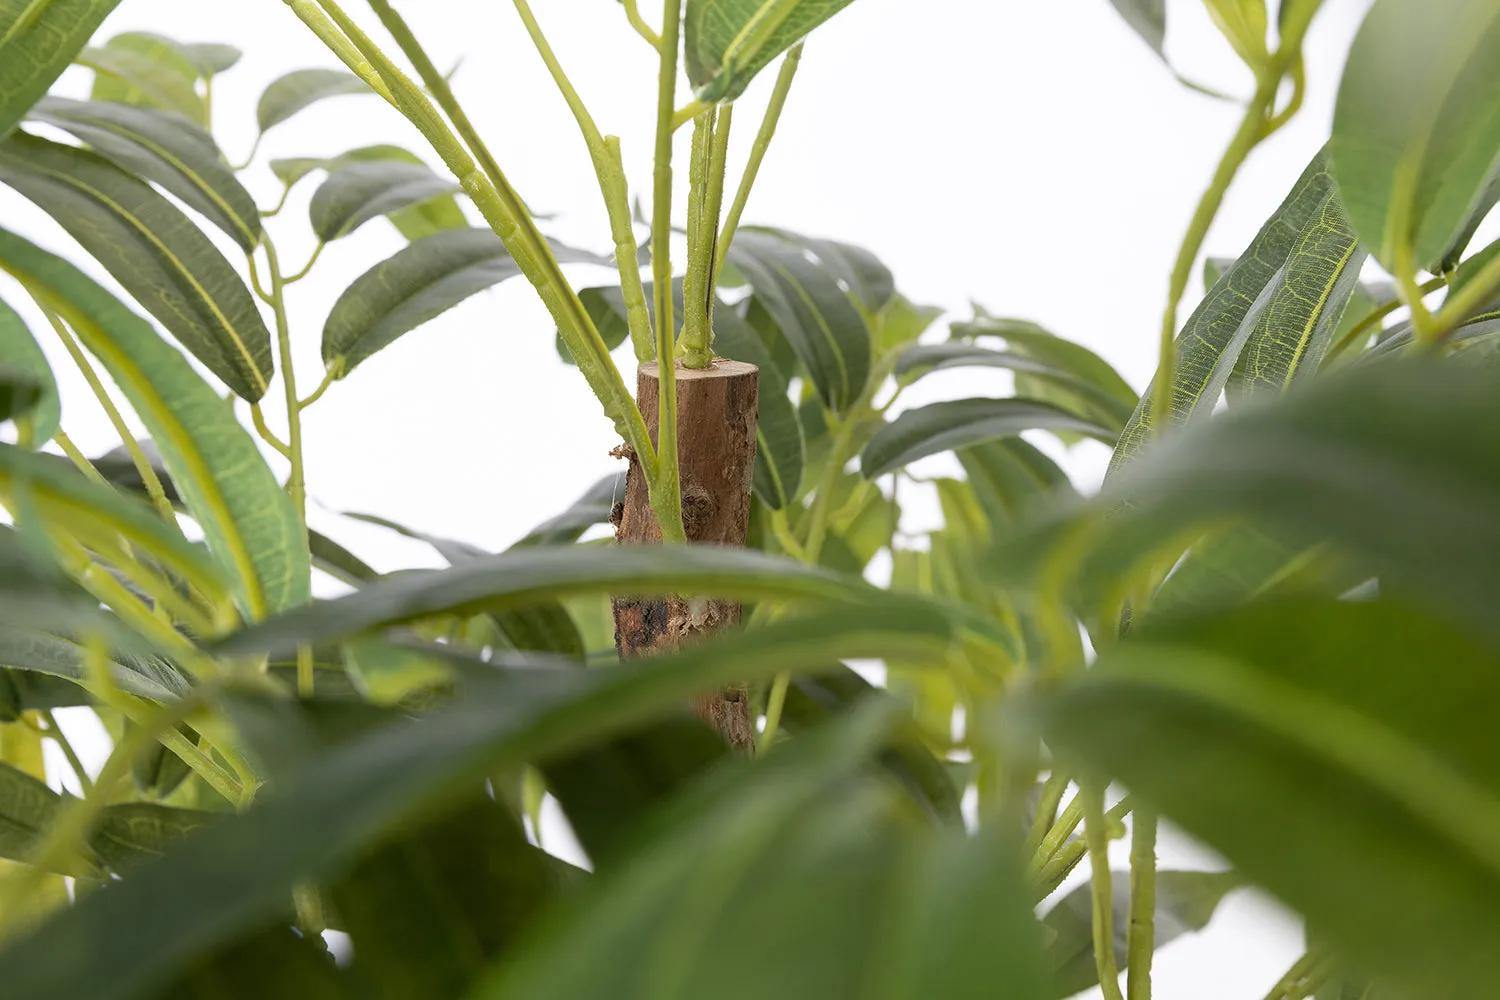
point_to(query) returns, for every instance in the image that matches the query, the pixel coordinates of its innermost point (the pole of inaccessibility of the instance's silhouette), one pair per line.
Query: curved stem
(689, 112)
(250, 156)
(258, 418)
(286, 191)
(1103, 890)
(296, 485)
(1141, 933)
(133, 448)
(317, 393)
(666, 496)
(1461, 304)
(610, 171)
(633, 14)
(317, 251)
(758, 152)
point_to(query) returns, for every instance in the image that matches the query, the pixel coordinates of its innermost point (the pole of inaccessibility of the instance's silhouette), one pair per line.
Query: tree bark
(716, 418)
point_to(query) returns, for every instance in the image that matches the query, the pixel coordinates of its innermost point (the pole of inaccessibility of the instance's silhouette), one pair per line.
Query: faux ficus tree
(1273, 626)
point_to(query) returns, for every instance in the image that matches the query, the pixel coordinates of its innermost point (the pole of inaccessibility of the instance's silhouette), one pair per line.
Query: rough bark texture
(716, 417)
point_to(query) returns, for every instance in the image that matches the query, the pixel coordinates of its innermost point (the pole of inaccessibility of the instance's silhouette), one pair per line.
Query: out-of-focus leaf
(1012, 479)
(161, 258)
(902, 321)
(1185, 902)
(418, 283)
(37, 42)
(165, 149)
(1147, 18)
(588, 510)
(145, 69)
(813, 311)
(28, 808)
(211, 58)
(129, 834)
(660, 926)
(959, 423)
(1029, 340)
(250, 524)
(30, 392)
(727, 42)
(1250, 730)
(1209, 343)
(240, 871)
(357, 192)
(1416, 129)
(302, 88)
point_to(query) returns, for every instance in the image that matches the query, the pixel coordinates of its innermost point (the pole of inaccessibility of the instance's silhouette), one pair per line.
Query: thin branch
(1102, 880)
(633, 13)
(1141, 932)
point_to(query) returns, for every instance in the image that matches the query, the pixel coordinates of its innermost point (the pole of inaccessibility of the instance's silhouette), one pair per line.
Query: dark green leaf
(355, 193)
(165, 149)
(727, 42)
(273, 961)
(959, 423)
(129, 834)
(241, 870)
(31, 392)
(1185, 902)
(152, 249)
(1011, 479)
(431, 216)
(418, 283)
(1032, 341)
(250, 524)
(1209, 344)
(301, 88)
(38, 40)
(145, 69)
(861, 272)
(337, 561)
(588, 510)
(142, 675)
(1298, 740)
(1147, 18)
(815, 314)
(27, 809)
(1416, 130)
(778, 433)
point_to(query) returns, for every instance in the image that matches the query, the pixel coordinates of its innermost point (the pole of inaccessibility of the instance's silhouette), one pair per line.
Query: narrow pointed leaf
(1147, 18)
(355, 193)
(301, 89)
(153, 250)
(592, 508)
(867, 279)
(814, 313)
(164, 149)
(1012, 480)
(239, 872)
(250, 524)
(418, 283)
(145, 69)
(1210, 341)
(1416, 129)
(24, 358)
(727, 42)
(37, 42)
(1032, 341)
(939, 427)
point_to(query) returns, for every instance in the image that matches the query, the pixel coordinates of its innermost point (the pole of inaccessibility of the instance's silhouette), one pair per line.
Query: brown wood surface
(716, 418)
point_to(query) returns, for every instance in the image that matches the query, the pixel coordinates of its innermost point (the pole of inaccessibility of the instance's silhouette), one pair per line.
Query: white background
(1035, 157)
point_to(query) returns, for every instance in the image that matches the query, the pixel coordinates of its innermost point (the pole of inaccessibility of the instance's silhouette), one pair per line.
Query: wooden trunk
(716, 419)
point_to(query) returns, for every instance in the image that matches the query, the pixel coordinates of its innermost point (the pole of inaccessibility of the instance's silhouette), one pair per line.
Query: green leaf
(27, 809)
(129, 834)
(1209, 344)
(34, 395)
(250, 524)
(418, 283)
(1078, 395)
(240, 871)
(919, 911)
(100, 518)
(901, 322)
(1294, 324)
(868, 280)
(1011, 480)
(38, 40)
(211, 58)
(302, 88)
(528, 575)
(815, 314)
(1407, 442)
(146, 69)
(355, 193)
(1297, 740)
(1416, 129)
(778, 433)
(387, 674)
(431, 907)
(1147, 18)
(449, 548)
(153, 250)
(417, 221)
(1029, 340)
(1185, 902)
(958, 423)
(588, 510)
(164, 149)
(727, 42)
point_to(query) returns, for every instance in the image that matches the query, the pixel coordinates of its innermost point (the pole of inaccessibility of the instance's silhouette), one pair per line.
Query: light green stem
(758, 151)
(1141, 934)
(1373, 317)
(296, 484)
(775, 702)
(1097, 838)
(132, 447)
(1462, 303)
(79, 459)
(633, 14)
(1053, 791)
(666, 491)
(339, 45)
(696, 342)
(609, 168)
(718, 166)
